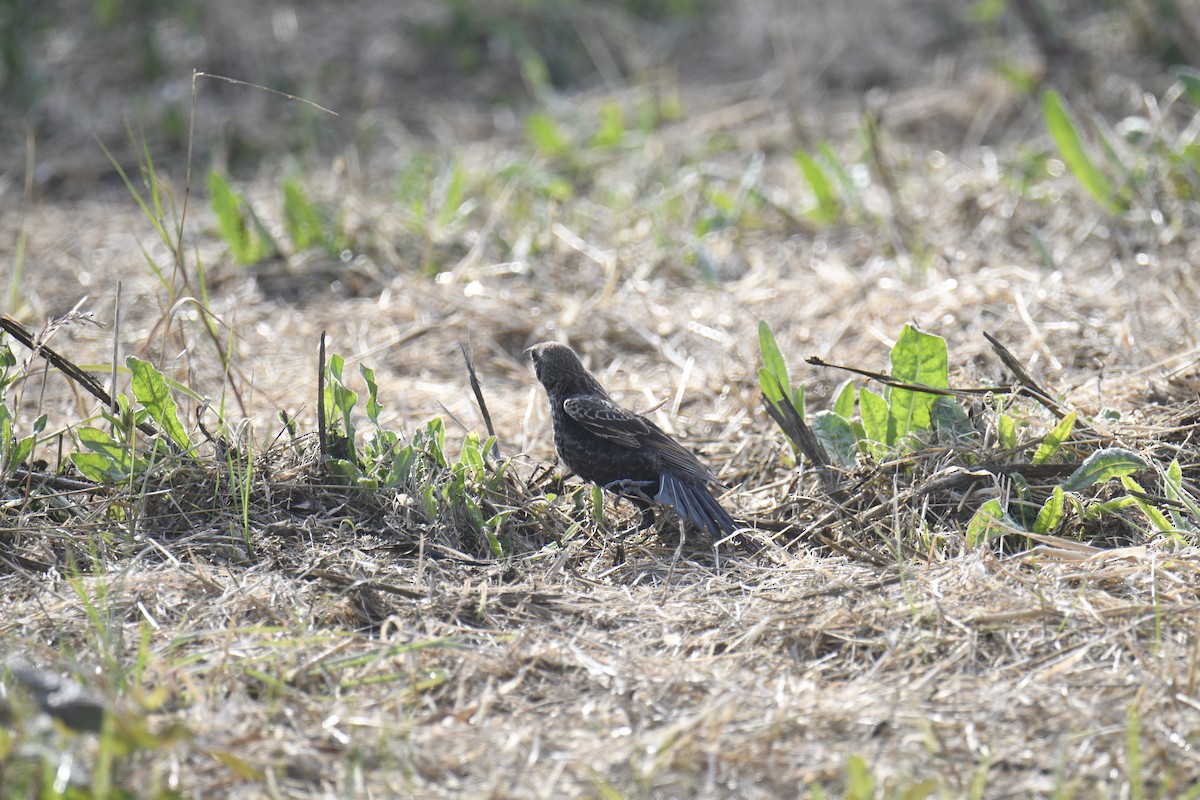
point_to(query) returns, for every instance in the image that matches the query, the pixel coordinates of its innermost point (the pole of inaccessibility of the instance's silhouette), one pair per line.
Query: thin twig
(475, 387)
(322, 438)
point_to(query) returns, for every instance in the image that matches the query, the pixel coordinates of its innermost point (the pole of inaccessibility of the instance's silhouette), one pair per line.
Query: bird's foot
(631, 489)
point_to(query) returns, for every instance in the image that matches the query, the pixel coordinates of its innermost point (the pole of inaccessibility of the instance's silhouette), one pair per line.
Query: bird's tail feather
(696, 505)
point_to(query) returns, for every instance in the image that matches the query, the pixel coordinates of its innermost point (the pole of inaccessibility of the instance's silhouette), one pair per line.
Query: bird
(622, 451)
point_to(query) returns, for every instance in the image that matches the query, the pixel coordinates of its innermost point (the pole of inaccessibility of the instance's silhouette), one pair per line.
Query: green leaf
(1097, 510)
(1103, 465)
(773, 376)
(989, 522)
(1006, 432)
(241, 231)
(919, 358)
(1054, 439)
(1174, 490)
(543, 132)
(109, 461)
(1156, 517)
(151, 390)
(429, 502)
(843, 403)
(339, 398)
(949, 419)
(1049, 518)
(828, 208)
(611, 130)
(1066, 137)
(859, 783)
(875, 418)
(301, 218)
(373, 406)
(836, 435)
(455, 190)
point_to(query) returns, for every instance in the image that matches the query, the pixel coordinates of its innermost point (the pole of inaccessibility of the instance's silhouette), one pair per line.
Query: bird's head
(559, 369)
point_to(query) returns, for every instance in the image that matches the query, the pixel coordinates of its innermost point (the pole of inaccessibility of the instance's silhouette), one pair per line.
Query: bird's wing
(606, 419)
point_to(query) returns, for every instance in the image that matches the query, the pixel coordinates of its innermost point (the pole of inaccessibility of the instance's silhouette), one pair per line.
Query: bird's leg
(634, 491)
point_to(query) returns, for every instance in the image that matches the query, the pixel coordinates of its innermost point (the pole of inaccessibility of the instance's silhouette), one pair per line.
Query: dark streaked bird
(622, 451)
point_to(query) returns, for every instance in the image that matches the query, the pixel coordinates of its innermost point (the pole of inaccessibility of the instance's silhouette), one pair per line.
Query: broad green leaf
(109, 461)
(989, 522)
(1103, 465)
(836, 435)
(1054, 439)
(875, 418)
(151, 390)
(1066, 137)
(949, 419)
(843, 402)
(1049, 518)
(919, 358)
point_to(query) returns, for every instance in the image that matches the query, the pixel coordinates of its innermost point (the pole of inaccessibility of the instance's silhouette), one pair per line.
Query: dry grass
(295, 637)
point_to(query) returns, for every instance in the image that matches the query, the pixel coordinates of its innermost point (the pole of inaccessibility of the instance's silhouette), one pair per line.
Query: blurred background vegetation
(71, 70)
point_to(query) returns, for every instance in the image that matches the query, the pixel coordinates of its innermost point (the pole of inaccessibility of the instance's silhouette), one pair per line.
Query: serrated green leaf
(1103, 465)
(151, 390)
